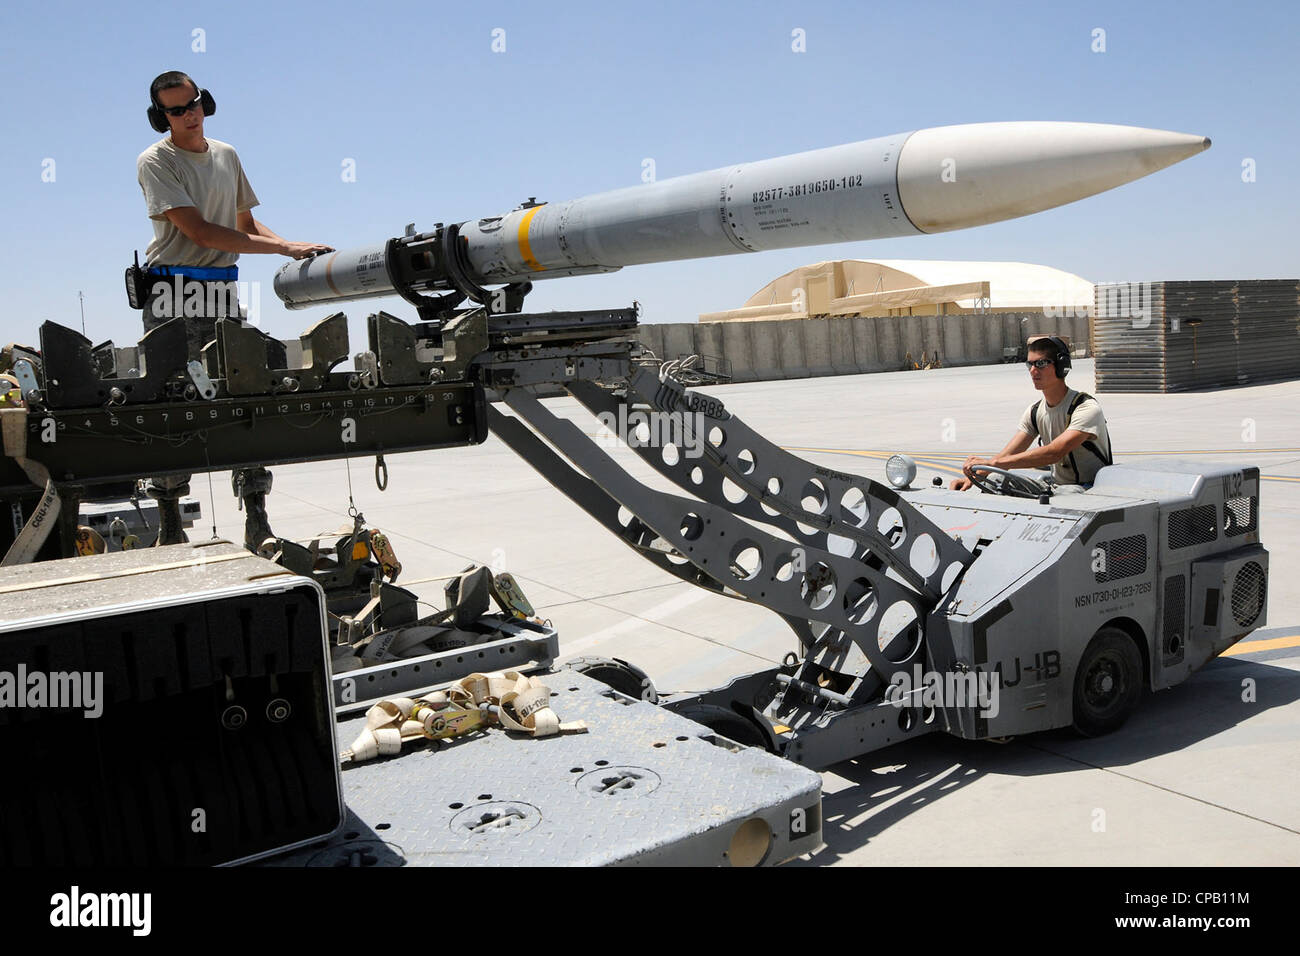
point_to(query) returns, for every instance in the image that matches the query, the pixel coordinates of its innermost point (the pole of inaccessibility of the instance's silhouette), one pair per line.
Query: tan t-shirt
(1080, 466)
(213, 182)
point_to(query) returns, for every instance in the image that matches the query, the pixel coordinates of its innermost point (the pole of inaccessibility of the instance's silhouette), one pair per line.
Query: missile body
(931, 180)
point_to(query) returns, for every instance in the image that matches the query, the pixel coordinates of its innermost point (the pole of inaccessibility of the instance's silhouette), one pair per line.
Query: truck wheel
(619, 674)
(728, 723)
(1107, 684)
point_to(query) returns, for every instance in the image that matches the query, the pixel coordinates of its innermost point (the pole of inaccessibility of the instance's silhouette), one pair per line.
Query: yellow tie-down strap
(13, 433)
(515, 701)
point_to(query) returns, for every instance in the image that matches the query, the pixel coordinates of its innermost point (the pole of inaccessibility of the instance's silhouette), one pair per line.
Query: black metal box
(164, 706)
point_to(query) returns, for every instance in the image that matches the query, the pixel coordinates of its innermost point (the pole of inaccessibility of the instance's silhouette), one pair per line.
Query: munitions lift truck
(1074, 602)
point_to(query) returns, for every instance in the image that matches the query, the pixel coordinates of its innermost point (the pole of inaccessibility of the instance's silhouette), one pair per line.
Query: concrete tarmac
(1204, 774)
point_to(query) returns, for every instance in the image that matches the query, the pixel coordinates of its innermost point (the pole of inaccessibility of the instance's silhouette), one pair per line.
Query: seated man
(1069, 425)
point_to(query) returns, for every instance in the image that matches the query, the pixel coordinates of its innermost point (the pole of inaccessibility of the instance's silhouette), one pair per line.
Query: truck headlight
(900, 470)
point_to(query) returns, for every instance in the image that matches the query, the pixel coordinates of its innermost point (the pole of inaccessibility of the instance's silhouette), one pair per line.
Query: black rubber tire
(726, 722)
(620, 675)
(1107, 684)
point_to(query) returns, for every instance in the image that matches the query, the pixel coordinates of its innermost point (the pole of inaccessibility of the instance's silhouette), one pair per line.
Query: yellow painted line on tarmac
(1272, 644)
(930, 464)
(842, 451)
(927, 460)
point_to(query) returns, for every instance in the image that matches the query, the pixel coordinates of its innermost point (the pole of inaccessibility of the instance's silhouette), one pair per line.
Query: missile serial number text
(807, 189)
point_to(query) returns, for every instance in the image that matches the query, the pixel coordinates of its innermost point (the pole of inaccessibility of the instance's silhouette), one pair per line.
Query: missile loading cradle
(1075, 601)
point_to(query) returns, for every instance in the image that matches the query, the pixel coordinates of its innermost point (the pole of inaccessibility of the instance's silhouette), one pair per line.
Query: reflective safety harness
(512, 699)
(1104, 457)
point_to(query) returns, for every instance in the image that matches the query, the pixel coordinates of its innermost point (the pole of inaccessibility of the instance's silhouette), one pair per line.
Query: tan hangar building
(888, 287)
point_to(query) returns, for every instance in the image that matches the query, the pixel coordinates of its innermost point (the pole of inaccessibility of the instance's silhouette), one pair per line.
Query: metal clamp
(367, 370)
(27, 383)
(200, 379)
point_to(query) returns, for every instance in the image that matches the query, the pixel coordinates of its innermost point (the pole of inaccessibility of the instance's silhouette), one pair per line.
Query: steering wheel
(1004, 482)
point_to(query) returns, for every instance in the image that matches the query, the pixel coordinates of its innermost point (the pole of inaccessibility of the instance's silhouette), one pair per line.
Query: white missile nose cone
(955, 177)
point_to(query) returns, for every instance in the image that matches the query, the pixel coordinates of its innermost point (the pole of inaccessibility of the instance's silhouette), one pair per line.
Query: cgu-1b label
(1106, 595)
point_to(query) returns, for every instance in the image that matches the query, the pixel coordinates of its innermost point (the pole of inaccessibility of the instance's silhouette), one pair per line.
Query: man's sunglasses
(182, 110)
(1039, 363)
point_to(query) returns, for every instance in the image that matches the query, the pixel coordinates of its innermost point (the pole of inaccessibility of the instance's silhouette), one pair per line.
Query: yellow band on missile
(329, 274)
(526, 250)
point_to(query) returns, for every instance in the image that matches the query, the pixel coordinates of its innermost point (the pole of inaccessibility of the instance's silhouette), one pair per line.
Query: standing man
(1069, 425)
(201, 205)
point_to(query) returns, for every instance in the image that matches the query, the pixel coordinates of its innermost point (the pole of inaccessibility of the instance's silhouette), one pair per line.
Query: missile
(926, 181)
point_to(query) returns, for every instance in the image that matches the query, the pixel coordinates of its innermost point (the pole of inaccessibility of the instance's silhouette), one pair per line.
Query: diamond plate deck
(642, 787)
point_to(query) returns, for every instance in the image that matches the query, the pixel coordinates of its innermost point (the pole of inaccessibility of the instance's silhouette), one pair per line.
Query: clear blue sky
(442, 128)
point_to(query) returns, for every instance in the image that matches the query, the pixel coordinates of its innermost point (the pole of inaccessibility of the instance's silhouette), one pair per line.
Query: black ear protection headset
(158, 118)
(1060, 352)
(1062, 357)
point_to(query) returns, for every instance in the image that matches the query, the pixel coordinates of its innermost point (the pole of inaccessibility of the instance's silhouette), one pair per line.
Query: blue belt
(229, 273)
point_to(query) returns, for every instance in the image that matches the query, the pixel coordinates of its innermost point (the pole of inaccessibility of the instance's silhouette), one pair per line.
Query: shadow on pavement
(866, 795)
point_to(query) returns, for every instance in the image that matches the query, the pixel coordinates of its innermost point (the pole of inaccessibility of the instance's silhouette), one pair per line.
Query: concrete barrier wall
(791, 355)
(866, 350)
(652, 337)
(765, 350)
(839, 336)
(817, 347)
(709, 339)
(772, 349)
(737, 347)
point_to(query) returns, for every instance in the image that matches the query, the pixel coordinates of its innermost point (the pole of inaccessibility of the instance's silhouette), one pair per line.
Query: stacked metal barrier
(1181, 336)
